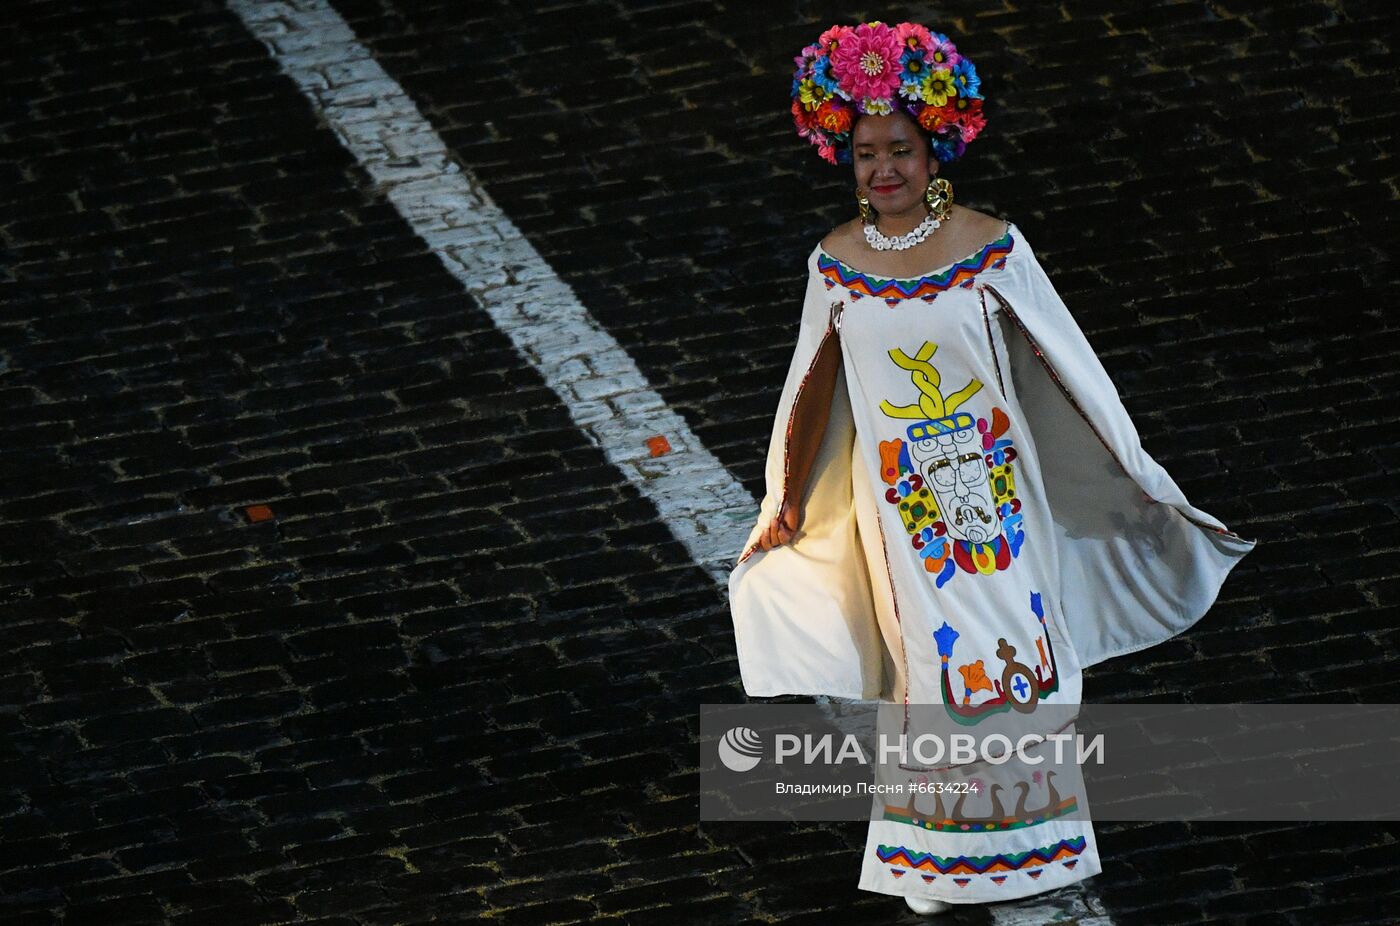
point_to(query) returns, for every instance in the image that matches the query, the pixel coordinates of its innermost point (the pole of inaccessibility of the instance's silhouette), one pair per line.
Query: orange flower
(835, 119)
(935, 117)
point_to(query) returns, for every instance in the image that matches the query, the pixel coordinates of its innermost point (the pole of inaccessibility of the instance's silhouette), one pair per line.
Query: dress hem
(869, 882)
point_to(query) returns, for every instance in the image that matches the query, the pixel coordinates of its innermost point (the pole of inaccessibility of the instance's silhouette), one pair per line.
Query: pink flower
(866, 62)
(913, 35)
(834, 34)
(942, 54)
(827, 152)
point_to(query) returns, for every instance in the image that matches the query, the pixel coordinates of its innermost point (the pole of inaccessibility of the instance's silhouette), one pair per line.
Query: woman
(959, 513)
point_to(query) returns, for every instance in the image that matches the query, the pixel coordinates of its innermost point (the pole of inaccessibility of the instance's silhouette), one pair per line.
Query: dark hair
(906, 108)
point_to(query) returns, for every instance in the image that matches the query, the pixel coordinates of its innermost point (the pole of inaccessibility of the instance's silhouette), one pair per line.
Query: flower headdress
(874, 69)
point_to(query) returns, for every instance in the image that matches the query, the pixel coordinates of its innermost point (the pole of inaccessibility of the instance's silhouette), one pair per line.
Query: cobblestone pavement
(452, 668)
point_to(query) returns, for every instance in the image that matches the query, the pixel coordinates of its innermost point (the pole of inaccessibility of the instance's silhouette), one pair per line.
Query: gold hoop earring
(865, 211)
(939, 197)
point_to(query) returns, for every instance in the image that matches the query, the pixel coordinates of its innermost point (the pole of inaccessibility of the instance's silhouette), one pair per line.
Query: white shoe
(927, 905)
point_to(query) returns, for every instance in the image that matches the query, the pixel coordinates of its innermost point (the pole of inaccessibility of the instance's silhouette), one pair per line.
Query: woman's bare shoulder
(840, 240)
(981, 227)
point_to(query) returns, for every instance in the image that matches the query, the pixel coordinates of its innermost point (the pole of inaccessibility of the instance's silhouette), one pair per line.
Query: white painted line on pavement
(610, 400)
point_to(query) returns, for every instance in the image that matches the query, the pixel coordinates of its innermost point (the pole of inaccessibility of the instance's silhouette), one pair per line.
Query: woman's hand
(781, 528)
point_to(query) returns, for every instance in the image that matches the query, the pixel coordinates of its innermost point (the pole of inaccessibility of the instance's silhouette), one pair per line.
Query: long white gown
(981, 524)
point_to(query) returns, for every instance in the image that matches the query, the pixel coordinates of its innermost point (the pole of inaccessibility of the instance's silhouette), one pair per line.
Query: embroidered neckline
(893, 291)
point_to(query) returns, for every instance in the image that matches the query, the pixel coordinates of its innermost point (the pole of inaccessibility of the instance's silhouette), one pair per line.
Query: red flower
(802, 119)
(967, 112)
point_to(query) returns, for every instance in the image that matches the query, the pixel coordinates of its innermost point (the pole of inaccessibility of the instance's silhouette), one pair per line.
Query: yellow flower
(938, 87)
(811, 95)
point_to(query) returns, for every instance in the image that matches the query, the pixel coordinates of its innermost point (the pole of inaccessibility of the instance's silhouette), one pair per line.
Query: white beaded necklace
(882, 242)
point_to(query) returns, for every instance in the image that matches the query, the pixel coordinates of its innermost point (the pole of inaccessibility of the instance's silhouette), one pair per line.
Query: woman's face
(892, 161)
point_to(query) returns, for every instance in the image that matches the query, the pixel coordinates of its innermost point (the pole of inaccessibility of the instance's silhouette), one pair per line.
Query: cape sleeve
(1138, 562)
(804, 618)
(813, 328)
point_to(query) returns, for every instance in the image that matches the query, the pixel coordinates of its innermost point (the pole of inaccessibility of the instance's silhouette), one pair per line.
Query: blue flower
(912, 76)
(914, 66)
(821, 74)
(948, 147)
(966, 80)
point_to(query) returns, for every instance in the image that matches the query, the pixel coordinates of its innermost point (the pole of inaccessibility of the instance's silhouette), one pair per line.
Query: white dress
(981, 524)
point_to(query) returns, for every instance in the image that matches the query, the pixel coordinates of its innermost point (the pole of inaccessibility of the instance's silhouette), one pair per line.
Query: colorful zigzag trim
(982, 864)
(926, 288)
